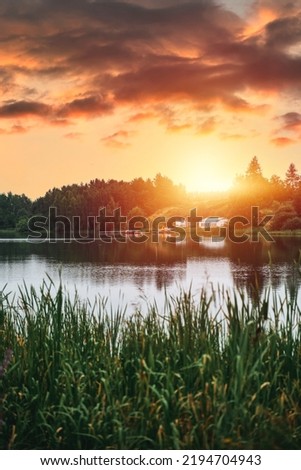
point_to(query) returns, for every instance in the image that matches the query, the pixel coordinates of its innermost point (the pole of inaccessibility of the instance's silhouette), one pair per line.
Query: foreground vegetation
(76, 376)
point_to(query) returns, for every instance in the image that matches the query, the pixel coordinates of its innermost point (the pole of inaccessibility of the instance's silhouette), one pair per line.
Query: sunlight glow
(207, 184)
(263, 16)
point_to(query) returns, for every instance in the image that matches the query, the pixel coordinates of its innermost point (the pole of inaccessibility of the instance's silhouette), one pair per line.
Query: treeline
(282, 198)
(137, 197)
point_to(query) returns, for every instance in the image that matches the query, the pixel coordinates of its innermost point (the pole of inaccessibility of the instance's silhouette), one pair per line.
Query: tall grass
(80, 377)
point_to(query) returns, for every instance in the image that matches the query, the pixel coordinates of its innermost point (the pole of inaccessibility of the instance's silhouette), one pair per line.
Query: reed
(78, 376)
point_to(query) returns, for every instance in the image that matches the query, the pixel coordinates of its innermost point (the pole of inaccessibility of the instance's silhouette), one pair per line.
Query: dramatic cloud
(19, 109)
(65, 59)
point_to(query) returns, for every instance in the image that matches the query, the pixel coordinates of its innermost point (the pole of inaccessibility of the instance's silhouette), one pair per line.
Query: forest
(160, 196)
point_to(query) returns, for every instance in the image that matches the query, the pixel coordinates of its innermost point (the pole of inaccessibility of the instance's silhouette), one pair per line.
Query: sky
(122, 89)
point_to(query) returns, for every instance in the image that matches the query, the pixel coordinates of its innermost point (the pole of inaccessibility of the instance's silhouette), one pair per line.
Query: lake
(134, 274)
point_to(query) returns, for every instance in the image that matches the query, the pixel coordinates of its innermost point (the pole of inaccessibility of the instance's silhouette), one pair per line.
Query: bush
(22, 224)
(281, 218)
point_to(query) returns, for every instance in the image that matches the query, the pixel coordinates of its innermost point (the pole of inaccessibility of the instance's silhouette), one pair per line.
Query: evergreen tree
(254, 169)
(292, 178)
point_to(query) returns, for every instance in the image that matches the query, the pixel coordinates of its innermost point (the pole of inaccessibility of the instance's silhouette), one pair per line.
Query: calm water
(132, 274)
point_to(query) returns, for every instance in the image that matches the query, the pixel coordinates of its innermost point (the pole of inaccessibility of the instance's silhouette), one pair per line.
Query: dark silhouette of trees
(86, 199)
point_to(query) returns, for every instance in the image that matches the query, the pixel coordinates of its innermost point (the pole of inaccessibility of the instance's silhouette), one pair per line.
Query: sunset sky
(121, 89)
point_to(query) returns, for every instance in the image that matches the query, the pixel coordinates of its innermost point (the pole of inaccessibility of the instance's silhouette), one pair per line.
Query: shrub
(281, 217)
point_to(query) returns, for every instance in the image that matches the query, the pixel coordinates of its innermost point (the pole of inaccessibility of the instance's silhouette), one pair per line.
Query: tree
(165, 191)
(254, 169)
(292, 178)
(285, 213)
(22, 225)
(12, 208)
(251, 189)
(277, 188)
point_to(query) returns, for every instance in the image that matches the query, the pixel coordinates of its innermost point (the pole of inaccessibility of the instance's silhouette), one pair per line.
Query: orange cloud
(118, 140)
(282, 141)
(142, 116)
(291, 121)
